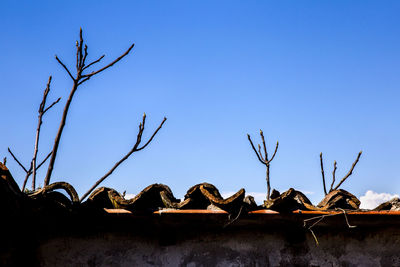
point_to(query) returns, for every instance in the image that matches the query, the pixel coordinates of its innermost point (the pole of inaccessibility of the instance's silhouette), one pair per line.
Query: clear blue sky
(319, 76)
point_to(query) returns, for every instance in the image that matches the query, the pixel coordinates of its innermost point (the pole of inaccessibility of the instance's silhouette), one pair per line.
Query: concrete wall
(263, 245)
(209, 241)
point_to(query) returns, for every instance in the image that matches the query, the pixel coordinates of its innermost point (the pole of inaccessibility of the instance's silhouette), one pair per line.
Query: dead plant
(81, 75)
(264, 159)
(350, 172)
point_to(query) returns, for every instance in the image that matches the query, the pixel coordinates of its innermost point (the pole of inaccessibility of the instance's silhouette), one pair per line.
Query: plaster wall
(227, 247)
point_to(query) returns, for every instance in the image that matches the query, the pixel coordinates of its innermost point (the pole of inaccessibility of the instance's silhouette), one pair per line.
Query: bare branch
(94, 62)
(350, 171)
(84, 57)
(276, 149)
(47, 157)
(264, 160)
(42, 111)
(154, 134)
(80, 48)
(323, 173)
(30, 172)
(27, 177)
(258, 156)
(112, 63)
(84, 80)
(59, 133)
(4, 161)
(333, 175)
(19, 163)
(77, 81)
(49, 107)
(259, 152)
(134, 149)
(45, 93)
(77, 55)
(65, 67)
(264, 146)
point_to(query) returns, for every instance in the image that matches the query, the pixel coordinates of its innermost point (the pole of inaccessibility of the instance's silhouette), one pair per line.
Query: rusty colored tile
(118, 211)
(172, 211)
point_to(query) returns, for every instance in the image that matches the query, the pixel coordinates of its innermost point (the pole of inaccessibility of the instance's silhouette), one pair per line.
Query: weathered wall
(203, 240)
(235, 247)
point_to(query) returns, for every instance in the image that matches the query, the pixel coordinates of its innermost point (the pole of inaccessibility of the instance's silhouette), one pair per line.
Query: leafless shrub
(264, 159)
(81, 75)
(350, 172)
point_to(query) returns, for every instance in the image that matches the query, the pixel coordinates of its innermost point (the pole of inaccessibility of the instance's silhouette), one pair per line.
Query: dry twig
(135, 148)
(264, 159)
(320, 218)
(33, 168)
(79, 78)
(350, 171)
(332, 188)
(42, 110)
(28, 172)
(322, 172)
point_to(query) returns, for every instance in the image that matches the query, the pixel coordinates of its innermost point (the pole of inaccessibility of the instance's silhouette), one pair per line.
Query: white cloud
(372, 199)
(129, 196)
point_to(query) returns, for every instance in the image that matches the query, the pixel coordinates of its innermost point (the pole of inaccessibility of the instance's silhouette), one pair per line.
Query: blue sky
(319, 76)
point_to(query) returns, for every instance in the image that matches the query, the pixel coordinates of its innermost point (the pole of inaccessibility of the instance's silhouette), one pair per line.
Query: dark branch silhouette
(135, 148)
(42, 110)
(15, 158)
(264, 159)
(332, 188)
(322, 172)
(350, 171)
(79, 78)
(333, 175)
(30, 171)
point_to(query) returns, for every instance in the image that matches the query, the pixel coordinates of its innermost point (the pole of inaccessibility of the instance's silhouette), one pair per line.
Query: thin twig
(42, 110)
(134, 149)
(45, 159)
(4, 161)
(65, 67)
(27, 177)
(258, 156)
(154, 134)
(77, 54)
(322, 172)
(94, 62)
(234, 219)
(315, 237)
(80, 48)
(264, 159)
(84, 57)
(350, 171)
(345, 216)
(264, 146)
(333, 176)
(30, 171)
(276, 149)
(59, 133)
(320, 218)
(109, 65)
(78, 80)
(49, 107)
(19, 163)
(259, 152)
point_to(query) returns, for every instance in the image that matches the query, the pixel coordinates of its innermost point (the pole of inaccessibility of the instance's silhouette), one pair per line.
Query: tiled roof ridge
(156, 197)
